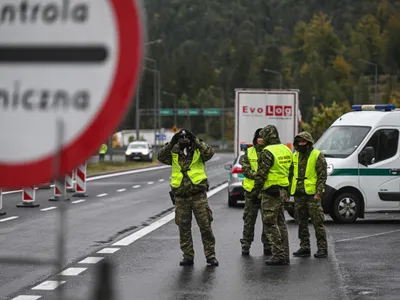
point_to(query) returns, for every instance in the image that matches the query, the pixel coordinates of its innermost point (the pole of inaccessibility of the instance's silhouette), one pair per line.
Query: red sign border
(130, 26)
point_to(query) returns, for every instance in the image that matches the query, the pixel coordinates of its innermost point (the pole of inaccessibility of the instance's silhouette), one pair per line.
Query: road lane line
(161, 180)
(72, 271)
(136, 186)
(108, 250)
(90, 260)
(9, 219)
(26, 297)
(150, 182)
(367, 236)
(164, 220)
(48, 285)
(78, 201)
(121, 190)
(102, 195)
(48, 208)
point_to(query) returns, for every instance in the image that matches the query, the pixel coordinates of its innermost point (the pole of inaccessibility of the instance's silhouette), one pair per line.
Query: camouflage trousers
(249, 220)
(272, 209)
(307, 207)
(198, 205)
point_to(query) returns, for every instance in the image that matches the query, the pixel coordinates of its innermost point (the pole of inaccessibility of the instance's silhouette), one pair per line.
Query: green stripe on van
(362, 172)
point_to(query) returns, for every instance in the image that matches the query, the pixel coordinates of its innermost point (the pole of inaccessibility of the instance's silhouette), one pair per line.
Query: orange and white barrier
(80, 181)
(60, 190)
(69, 181)
(28, 197)
(2, 212)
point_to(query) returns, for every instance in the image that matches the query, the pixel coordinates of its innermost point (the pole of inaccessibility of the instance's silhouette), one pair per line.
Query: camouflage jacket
(246, 167)
(321, 168)
(187, 188)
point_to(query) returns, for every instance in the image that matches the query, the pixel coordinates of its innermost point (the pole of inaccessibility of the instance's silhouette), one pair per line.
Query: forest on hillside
(326, 49)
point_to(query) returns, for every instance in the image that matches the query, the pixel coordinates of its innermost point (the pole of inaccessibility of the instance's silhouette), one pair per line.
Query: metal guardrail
(103, 283)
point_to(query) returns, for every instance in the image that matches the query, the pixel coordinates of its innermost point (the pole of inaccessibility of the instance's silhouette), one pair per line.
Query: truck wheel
(346, 208)
(231, 202)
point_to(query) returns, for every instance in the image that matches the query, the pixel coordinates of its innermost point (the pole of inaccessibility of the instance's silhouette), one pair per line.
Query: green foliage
(131, 139)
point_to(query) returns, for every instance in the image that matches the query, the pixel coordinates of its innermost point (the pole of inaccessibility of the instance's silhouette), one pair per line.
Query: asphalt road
(362, 263)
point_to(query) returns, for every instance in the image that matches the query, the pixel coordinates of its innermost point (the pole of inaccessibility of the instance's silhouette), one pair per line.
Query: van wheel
(231, 202)
(290, 211)
(346, 208)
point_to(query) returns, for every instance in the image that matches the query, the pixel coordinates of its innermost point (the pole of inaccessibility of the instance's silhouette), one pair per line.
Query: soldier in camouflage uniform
(272, 181)
(189, 184)
(308, 175)
(251, 206)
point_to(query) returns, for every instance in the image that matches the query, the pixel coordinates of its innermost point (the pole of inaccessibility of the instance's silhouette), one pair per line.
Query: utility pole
(276, 73)
(375, 80)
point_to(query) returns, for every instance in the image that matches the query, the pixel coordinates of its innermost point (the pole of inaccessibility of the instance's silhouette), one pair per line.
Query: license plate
(136, 157)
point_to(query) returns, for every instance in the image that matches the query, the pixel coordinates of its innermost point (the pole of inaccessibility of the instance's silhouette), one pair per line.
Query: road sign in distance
(75, 61)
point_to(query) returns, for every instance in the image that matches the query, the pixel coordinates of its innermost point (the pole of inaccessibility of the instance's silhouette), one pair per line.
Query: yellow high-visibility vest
(310, 176)
(279, 172)
(248, 184)
(196, 170)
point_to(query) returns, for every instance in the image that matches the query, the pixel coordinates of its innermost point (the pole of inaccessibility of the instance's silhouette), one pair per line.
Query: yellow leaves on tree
(324, 116)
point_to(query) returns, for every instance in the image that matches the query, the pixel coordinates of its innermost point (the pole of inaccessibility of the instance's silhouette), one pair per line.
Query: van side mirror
(366, 156)
(228, 167)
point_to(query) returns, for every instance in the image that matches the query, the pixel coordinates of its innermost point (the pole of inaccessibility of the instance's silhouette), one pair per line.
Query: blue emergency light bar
(366, 107)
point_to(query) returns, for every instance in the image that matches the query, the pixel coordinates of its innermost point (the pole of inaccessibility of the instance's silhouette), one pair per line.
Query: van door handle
(394, 171)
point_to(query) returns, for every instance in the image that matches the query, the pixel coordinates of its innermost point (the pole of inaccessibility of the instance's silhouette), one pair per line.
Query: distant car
(236, 190)
(139, 150)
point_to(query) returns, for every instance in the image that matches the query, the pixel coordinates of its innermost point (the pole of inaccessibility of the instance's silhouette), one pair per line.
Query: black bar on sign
(53, 54)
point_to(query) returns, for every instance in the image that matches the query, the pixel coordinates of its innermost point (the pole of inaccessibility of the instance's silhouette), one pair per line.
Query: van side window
(385, 143)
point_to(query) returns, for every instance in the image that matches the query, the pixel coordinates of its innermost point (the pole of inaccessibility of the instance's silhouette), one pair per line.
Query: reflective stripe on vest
(196, 170)
(310, 179)
(248, 184)
(279, 172)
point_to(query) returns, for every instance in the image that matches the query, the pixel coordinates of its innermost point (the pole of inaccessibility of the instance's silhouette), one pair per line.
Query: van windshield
(341, 141)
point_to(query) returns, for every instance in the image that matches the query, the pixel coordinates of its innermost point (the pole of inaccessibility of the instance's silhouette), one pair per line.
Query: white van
(362, 151)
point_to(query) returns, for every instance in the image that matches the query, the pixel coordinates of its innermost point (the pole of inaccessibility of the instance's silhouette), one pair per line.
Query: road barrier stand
(69, 181)
(60, 190)
(2, 212)
(44, 186)
(80, 181)
(28, 197)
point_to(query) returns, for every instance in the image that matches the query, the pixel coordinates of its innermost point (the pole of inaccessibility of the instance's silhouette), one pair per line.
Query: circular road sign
(74, 61)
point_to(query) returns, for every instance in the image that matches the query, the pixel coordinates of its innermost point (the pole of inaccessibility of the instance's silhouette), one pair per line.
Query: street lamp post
(175, 112)
(158, 41)
(376, 78)
(155, 72)
(222, 114)
(276, 73)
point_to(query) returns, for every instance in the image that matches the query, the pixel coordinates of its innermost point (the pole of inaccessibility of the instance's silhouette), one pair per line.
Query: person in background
(102, 152)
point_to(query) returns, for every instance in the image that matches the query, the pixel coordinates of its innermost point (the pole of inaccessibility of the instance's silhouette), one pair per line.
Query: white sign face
(57, 60)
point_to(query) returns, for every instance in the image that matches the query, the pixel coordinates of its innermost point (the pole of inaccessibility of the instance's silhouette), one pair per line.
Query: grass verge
(115, 166)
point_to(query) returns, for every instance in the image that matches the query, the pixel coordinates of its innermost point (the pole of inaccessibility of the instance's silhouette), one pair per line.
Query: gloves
(175, 139)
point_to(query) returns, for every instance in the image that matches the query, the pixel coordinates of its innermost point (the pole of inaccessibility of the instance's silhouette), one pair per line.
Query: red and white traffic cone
(28, 198)
(2, 212)
(80, 181)
(69, 181)
(60, 190)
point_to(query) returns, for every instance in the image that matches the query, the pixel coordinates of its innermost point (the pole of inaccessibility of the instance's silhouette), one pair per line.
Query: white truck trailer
(255, 108)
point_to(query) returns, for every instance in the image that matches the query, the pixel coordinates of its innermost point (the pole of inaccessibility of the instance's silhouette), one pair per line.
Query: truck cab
(363, 155)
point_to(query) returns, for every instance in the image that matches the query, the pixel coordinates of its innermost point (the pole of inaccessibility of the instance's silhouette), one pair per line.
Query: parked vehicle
(235, 188)
(139, 150)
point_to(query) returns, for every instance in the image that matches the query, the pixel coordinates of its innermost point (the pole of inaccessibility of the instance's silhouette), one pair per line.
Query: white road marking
(78, 201)
(153, 226)
(9, 219)
(102, 195)
(161, 180)
(48, 285)
(367, 236)
(121, 190)
(48, 208)
(72, 271)
(26, 297)
(91, 260)
(150, 182)
(108, 250)
(136, 186)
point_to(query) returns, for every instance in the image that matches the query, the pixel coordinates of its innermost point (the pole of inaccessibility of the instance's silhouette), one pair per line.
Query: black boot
(321, 254)
(245, 250)
(276, 261)
(186, 262)
(302, 252)
(267, 251)
(212, 262)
